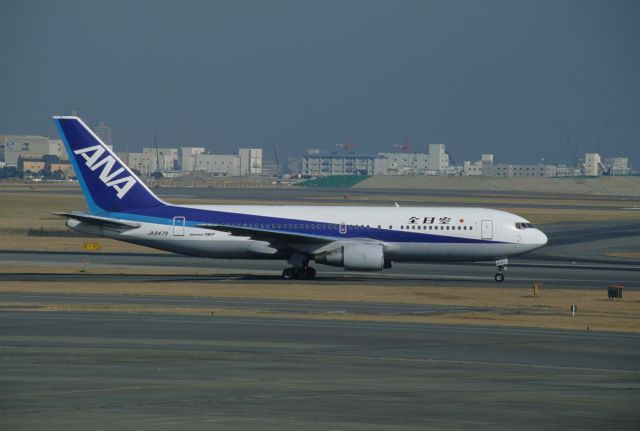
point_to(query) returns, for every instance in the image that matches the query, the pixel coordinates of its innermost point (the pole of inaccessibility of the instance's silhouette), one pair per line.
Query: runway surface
(114, 371)
(260, 304)
(519, 274)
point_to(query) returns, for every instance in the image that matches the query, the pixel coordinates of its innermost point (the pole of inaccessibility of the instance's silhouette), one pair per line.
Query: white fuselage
(408, 233)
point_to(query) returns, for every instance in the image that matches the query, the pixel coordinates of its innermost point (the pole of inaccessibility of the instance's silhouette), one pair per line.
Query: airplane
(356, 238)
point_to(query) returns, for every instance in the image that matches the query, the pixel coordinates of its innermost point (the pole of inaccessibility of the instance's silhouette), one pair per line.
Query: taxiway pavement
(154, 372)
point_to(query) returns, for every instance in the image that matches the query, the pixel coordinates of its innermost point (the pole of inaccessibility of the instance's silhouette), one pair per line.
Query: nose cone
(541, 238)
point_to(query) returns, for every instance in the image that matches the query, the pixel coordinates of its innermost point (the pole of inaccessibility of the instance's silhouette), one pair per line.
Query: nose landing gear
(502, 266)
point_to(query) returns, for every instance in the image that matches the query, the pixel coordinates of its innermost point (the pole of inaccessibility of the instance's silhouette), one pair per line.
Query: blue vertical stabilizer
(107, 183)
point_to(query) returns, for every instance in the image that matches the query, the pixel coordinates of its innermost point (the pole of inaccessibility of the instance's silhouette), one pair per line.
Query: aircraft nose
(541, 238)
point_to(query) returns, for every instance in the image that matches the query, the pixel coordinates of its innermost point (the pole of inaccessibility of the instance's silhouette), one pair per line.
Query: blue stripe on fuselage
(195, 216)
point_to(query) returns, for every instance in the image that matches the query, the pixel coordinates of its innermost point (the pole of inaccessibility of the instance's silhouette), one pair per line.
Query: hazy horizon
(524, 80)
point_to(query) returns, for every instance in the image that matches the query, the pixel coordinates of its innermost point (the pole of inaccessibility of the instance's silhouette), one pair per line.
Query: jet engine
(354, 257)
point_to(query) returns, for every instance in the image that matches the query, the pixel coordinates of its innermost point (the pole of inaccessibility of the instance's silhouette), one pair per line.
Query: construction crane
(406, 147)
(275, 153)
(604, 169)
(157, 173)
(453, 162)
(347, 146)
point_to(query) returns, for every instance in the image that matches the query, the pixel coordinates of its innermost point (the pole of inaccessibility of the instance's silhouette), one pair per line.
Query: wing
(304, 243)
(269, 235)
(100, 221)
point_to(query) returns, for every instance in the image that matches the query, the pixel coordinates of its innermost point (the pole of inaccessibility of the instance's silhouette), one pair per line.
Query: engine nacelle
(354, 257)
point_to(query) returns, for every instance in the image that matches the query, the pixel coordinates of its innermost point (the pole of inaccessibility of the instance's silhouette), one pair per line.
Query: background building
(507, 170)
(16, 146)
(104, 133)
(481, 167)
(250, 161)
(438, 158)
(49, 166)
(592, 163)
(617, 166)
(401, 164)
(320, 165)
(217, 164)
(188, 156)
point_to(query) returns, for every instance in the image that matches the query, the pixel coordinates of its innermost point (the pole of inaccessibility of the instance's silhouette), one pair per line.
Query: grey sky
(510, 77)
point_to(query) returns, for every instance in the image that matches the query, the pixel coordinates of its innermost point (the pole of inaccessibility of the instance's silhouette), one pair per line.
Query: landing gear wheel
(499, 277)
(307, 273)
(287, 273)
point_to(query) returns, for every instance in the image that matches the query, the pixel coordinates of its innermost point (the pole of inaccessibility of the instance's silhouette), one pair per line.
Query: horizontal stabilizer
(101, 221)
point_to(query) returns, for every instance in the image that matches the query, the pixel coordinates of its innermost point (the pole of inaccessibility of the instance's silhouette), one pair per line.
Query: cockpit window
(524, 226)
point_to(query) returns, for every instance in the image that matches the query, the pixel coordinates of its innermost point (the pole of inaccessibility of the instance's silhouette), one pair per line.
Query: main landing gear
(300, 270)
(502, 266)
(305, 273)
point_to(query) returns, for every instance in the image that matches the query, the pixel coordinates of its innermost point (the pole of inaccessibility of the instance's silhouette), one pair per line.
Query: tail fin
(107, 183)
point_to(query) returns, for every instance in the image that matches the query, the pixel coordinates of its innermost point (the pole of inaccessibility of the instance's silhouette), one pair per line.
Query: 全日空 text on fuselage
(355, 238)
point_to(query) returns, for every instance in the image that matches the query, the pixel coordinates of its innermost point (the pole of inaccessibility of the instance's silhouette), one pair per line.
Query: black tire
(309, 273)
(499, 278)
(287, 273)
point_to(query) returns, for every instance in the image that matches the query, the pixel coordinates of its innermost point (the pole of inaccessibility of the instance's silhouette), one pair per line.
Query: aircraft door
(343, 228)
(487, 229)
(178, 226)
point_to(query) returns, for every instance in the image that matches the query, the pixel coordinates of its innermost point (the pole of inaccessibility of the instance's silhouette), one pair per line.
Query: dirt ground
(509, 306)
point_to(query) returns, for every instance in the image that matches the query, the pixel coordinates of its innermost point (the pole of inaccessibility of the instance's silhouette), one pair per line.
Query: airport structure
(435, 162)
(34, 153)
(39, 153)
(180, 161)
(591, 166)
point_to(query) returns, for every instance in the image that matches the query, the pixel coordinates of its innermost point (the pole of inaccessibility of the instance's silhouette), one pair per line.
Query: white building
(401, 164)
(617, 165)
(227, 165)
(139, 162)
(438, 158)
(188, 156)
(592, 164)
(566, 171)
(539, 170)
(250, 161)
(165, 159)
(481, 167)
(322, 165)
